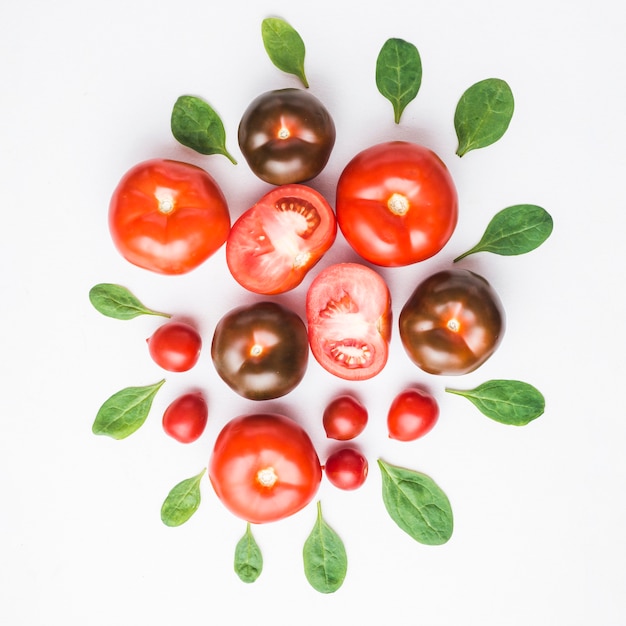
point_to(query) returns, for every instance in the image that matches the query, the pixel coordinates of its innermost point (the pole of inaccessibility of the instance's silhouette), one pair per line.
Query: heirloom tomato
(396, 203)
(412, 414)
(264, 467)
(346, 469)
(167, 216)
(286, 136)
(261, 350)
(186, 417)
(348, 308)
(273, 245)
(175, 346)
(344, 418)
(452, 323)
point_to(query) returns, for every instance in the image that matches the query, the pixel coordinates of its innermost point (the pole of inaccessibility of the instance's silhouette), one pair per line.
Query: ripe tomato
(348, 308)
(286, 136)
(261, 350)
(175, 346)
(167, 216)
(273, 245)
(186, 417)
(396, 203)
(452, 323)
(412, 414)
(346, 469)
(264, 467)
(344, 418)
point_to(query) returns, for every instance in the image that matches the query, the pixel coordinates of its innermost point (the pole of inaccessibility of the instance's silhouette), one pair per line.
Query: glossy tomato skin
(344, 418)
(175, 346)
(348, 308)
(346, 469)
(273, 245)
(167, 216)
(286, 136)
(412, 414)
(396, 203)
(264, 467)
(261, 350)
(186, 417)
(452, 323)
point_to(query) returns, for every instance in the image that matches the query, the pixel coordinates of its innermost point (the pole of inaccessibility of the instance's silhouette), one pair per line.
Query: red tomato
(344, 418)
(348, 308)
(186, 417)
(264, 467)
(175, 346)
(273, 245)
(396, 203)
(452, 323)
(346, 469)
(167, 216)
(412, 414)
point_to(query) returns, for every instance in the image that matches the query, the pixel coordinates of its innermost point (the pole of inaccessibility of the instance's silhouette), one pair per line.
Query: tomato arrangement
(396, 205)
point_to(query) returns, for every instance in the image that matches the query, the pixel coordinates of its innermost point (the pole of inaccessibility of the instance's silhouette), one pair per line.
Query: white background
(86, 92)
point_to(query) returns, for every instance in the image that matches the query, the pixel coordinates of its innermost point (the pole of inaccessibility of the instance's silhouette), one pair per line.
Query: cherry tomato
(396, 203)
(261, 350)
(346, 469)
(412, 414)
(348, 309)
(264, 467)
(167, 216)
(286, 136)
(452, 323)
(175, 346)
(273, 245)
(186, 417)
(344, 418)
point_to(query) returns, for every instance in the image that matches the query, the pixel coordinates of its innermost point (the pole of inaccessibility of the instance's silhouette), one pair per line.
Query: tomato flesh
(272, 246)
(168, 216)
(396, 203)
(264, 467)
(348, 309)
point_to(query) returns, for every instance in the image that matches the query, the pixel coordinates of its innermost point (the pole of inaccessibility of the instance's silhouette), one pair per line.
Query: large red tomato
(273, 245)
(167, 216)
(264, 467)
(396, 203)
(348, 308)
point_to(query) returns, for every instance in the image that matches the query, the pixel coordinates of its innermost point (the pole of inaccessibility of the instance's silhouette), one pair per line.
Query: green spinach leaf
(248, 557)
(284, 46)
(118, 302)
(182, 501)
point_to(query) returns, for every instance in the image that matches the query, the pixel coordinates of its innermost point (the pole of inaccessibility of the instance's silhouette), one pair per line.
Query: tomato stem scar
(398, 204)
(267, 477)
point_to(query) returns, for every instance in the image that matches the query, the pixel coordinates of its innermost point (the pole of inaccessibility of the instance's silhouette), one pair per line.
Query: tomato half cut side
(264, 467)
(274, 244)
(168, 216)
(348, 309)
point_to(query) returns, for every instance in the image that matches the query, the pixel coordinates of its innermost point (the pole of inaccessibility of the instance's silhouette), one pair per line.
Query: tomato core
(267, 477)
(398, 204)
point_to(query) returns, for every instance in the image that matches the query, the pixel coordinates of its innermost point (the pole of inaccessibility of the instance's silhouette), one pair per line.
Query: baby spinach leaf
(506, 401)
(515, 230)
(248, 557)
(125, 411)
(483, 114)
(118, 302)
(416, 504)
(324, 556)
(398, 74)
(182, 501)
(196, 125)
(284, 46)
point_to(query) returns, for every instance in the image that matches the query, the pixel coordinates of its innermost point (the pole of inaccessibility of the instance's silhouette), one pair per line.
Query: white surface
(87, 91)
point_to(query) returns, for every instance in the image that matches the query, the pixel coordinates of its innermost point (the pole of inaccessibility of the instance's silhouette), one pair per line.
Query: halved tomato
(348, 309)
(273, 245)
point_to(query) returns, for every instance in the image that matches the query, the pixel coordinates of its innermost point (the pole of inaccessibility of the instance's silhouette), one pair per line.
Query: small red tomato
(273, 245)
(167, 216)
(348, 309)
(175, 346)
(412, 414)
(346, 469)
(344, 418)
(186, 417)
